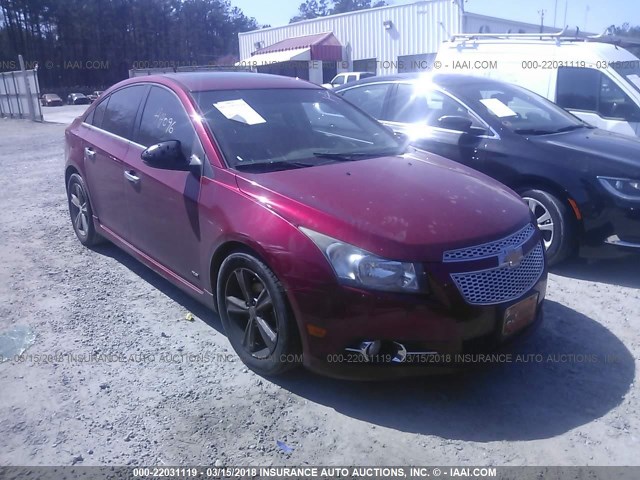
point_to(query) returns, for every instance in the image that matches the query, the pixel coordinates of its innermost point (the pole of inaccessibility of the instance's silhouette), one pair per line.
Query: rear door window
(121, 111)
(97, 115)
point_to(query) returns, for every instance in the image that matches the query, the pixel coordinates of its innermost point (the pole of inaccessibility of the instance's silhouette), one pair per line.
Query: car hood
(597, 151)
(410, 207)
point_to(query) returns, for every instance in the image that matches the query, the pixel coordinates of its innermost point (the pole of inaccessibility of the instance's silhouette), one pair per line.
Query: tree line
(96, 42)
(321, 8)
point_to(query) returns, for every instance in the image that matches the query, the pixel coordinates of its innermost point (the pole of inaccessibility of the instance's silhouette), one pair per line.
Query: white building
(391, 39)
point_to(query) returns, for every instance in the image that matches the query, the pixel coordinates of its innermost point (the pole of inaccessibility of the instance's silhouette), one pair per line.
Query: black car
(78, 99)
(582, 183)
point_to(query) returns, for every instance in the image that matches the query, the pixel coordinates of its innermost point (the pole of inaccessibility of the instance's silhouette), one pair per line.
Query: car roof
(440, 79)
(202, 81)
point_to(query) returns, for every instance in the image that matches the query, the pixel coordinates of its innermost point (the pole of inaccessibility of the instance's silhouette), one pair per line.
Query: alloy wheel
(544, 220)
(79, 209)
(251, 310)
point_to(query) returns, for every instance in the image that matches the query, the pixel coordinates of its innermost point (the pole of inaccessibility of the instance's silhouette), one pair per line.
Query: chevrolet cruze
(317, 235)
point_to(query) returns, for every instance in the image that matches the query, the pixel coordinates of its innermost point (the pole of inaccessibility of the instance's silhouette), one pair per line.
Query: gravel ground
(166, 404)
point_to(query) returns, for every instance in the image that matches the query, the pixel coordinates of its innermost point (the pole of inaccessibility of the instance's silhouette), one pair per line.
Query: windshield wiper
(534, 131)
(270, 166)
(568, 128)
(348, 156)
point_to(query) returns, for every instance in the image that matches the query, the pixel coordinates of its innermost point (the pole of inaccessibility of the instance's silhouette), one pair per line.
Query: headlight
(354, 266)
(624, 188)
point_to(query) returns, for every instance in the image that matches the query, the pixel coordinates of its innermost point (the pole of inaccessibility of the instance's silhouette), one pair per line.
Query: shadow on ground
(623, 271)
(584, 373)
(198, 309)
(515, 401)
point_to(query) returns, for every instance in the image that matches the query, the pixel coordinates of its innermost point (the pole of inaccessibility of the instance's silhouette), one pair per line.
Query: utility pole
(541, 12)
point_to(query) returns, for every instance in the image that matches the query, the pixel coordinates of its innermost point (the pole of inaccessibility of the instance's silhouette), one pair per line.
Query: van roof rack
(604, 37)
(473, 36)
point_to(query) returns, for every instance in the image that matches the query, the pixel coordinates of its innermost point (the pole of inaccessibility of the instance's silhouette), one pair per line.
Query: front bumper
(440, 324)
(615, 228)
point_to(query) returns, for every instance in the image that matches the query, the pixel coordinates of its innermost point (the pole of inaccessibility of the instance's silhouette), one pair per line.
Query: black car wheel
(555, 224)
(81, 212)
(256, 316)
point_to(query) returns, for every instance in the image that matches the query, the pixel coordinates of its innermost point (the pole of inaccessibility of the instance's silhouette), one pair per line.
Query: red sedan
(317, 235)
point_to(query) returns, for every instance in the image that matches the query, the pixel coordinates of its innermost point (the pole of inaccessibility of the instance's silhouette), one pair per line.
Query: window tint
(351, 78)
(412, 104)
(578, 88)
(369, 98)
(164, 118)
(121, 111)
(339, 80)
(591, 90)
(98, 114)
(614, 103)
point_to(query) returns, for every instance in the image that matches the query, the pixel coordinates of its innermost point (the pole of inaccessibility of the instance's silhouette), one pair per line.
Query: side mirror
(454, 122)
(166, 155)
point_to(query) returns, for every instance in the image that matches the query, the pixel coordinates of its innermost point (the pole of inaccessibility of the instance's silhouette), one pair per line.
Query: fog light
(368, 349)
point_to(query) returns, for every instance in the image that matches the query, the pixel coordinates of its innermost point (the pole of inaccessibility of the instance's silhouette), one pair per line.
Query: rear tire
(555, 223)
(81, 212)
(256, 316)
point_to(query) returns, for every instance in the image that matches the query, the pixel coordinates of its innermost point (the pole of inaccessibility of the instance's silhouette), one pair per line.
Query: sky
(591, 15)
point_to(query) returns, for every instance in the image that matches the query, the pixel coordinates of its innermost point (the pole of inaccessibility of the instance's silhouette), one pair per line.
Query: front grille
(501, 284)
(490, 249)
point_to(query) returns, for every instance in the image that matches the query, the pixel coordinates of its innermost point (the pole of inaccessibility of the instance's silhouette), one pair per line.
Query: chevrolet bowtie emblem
(511, 257)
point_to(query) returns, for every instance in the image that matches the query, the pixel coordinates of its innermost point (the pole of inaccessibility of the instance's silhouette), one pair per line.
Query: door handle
(89, 153)
(131, 176)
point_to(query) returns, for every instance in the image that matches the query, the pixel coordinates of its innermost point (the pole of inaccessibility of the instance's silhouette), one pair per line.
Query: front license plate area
(518, 316)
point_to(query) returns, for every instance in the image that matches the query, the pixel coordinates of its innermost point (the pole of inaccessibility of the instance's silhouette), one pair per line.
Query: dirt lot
(163, 407)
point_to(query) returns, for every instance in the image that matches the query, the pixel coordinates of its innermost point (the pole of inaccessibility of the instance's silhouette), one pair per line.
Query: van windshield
(517, 109)
(630, 71)
(264, 130)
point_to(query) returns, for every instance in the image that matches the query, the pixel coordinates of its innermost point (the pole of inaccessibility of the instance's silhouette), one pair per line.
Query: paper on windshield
(635, 79)
(239, 111)
(498, 108)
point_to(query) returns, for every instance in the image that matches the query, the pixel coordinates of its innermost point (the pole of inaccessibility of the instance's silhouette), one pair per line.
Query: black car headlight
(357, 267)
(624, 188)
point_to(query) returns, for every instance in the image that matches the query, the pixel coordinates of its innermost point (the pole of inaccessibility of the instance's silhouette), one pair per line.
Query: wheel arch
(546, 185)
(68, 171)
(245, 246)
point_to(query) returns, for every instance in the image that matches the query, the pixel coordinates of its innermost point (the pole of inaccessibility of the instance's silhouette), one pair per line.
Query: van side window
(591, 90)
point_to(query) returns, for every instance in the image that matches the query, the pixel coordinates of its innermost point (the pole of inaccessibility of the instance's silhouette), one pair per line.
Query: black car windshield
(517, 109)
(273, 129)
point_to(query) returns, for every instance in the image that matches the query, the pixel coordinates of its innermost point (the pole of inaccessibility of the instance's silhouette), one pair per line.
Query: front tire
(255, 315)
(555, 224)
(81, 212)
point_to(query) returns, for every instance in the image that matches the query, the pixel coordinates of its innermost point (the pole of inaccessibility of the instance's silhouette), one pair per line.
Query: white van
(596, 81)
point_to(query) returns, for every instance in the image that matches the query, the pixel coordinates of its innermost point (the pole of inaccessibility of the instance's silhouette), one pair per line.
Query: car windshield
(517, 109)
(275, 129)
